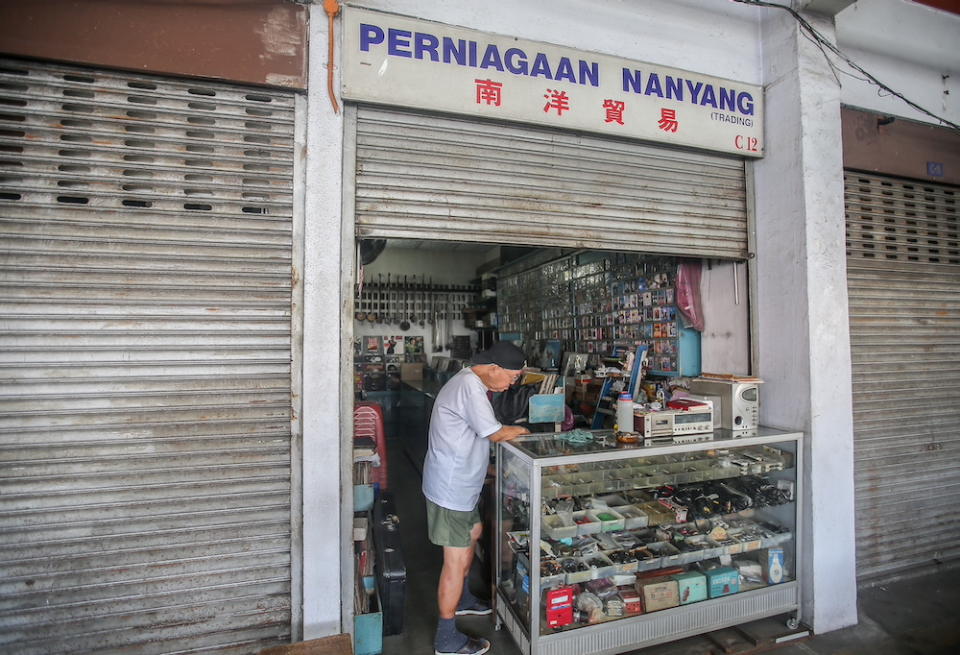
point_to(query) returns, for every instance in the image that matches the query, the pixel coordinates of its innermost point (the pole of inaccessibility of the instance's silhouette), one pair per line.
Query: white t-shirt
(459, 451)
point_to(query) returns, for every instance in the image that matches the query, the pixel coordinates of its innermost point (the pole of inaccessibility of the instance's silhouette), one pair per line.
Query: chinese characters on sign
(491, 93)
(556, 100)
(614, 111)
(406, 62)
(488, 92)
(668, 120)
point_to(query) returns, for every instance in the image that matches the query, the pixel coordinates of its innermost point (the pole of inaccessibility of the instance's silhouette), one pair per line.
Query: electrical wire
(825, 45)
(332, 7)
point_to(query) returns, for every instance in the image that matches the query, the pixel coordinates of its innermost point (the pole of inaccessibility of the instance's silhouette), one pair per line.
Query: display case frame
(615, 636)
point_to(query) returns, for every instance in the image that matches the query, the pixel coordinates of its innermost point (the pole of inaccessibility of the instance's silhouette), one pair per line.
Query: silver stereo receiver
(682, 419)
(739, 400)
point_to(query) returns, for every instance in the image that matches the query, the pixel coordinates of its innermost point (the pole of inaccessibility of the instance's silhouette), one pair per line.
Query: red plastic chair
(368, 422)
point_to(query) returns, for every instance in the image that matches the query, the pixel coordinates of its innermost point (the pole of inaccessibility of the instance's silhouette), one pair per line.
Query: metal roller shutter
(430, 177)
(145, 358)
(903, 272)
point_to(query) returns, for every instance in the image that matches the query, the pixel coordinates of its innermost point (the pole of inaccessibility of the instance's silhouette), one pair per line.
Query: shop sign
(403, 61)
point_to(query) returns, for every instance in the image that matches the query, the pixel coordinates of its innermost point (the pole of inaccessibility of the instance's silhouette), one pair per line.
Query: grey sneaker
(472, 647)
(479, 608)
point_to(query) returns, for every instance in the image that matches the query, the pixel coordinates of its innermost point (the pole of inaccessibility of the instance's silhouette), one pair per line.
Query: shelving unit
(595, 303)
(537, 472)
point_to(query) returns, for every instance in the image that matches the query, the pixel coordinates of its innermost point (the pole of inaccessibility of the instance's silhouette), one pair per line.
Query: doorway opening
(423, 308)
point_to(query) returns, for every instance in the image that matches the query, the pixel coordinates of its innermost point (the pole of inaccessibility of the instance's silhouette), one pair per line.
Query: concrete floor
(919, 616)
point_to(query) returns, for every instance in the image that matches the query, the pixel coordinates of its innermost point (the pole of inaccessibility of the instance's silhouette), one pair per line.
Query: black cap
(504, 354)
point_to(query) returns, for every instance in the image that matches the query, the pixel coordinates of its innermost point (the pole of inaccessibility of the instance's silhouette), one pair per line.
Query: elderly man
(462, 426)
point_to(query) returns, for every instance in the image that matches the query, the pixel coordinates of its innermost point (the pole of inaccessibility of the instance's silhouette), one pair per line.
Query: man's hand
(508, 432)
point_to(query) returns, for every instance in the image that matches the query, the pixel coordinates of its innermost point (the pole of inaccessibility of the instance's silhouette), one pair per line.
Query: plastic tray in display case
(613, 520)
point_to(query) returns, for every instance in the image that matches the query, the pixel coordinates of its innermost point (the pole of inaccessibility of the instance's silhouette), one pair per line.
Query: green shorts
(448, 527)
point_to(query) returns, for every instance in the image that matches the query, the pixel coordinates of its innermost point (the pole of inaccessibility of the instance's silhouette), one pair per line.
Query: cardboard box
(335, 645)
(412, 371)
(722, 581)
(659, 593)
(692, 587)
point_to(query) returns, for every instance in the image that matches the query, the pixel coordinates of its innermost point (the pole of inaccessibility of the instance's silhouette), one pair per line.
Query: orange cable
(332, 7)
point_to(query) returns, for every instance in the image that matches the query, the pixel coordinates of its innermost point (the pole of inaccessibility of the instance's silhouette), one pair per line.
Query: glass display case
(603, 546)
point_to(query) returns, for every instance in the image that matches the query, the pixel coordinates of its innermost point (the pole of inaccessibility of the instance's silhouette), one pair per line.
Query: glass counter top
(588, 442)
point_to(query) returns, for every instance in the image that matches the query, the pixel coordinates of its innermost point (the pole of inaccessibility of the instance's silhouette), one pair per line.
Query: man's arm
(508, 432)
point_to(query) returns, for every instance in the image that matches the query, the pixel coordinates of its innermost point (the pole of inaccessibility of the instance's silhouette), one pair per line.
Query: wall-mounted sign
(408, 62)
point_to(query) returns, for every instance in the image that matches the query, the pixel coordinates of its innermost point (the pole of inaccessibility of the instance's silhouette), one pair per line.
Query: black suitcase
(391, 571)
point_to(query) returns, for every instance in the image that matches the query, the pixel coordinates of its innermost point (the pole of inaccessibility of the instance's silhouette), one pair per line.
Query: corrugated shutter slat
(903, 275)
(145, 363)
(429, 177)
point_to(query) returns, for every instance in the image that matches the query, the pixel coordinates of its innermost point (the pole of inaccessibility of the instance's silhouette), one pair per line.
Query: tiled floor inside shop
(917, 616)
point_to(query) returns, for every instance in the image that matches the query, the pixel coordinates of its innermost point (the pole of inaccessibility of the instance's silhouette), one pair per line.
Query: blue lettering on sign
(674, 88)
(465, 52)
(515, 60)
(396, 41)
(565, 71)
(589, 73)
(454, 51)
(631, 81)
(426, 43)
(491, 58)
(709, 96)
(369, 35)
(728, 99)
(677, 88)
(653, 86)
(694, 90)
(541, 67)
(424, 46)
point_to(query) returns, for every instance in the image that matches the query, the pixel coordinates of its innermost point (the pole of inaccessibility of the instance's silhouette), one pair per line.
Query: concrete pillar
(802, 324)
(324, 541)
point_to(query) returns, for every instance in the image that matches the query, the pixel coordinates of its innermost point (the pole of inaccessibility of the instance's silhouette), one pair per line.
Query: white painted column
(803, 330)
(323, 499)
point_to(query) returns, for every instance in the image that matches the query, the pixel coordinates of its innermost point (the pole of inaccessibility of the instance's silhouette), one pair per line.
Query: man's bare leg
(456, 565)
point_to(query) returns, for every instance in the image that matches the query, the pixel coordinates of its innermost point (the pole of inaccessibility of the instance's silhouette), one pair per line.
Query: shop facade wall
(800, 320)
(919, 58)
(254, 43)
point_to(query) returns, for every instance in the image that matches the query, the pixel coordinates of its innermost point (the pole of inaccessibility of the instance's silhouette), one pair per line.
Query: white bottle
(625, 412)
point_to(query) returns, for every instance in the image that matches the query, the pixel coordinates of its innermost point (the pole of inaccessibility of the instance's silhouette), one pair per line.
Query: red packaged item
(559, 606)
(631, 600)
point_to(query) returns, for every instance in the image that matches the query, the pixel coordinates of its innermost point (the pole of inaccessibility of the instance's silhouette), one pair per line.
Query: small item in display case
(646, 559)
(575, 569)
(602, 588)
(722, 581)
(625, 412)
(659, 593)
(551, 573)
(586, 524)
(609, 520)
(692, 586)
(631, 600)
(773, 566)
(559, 606)
(614, 606)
